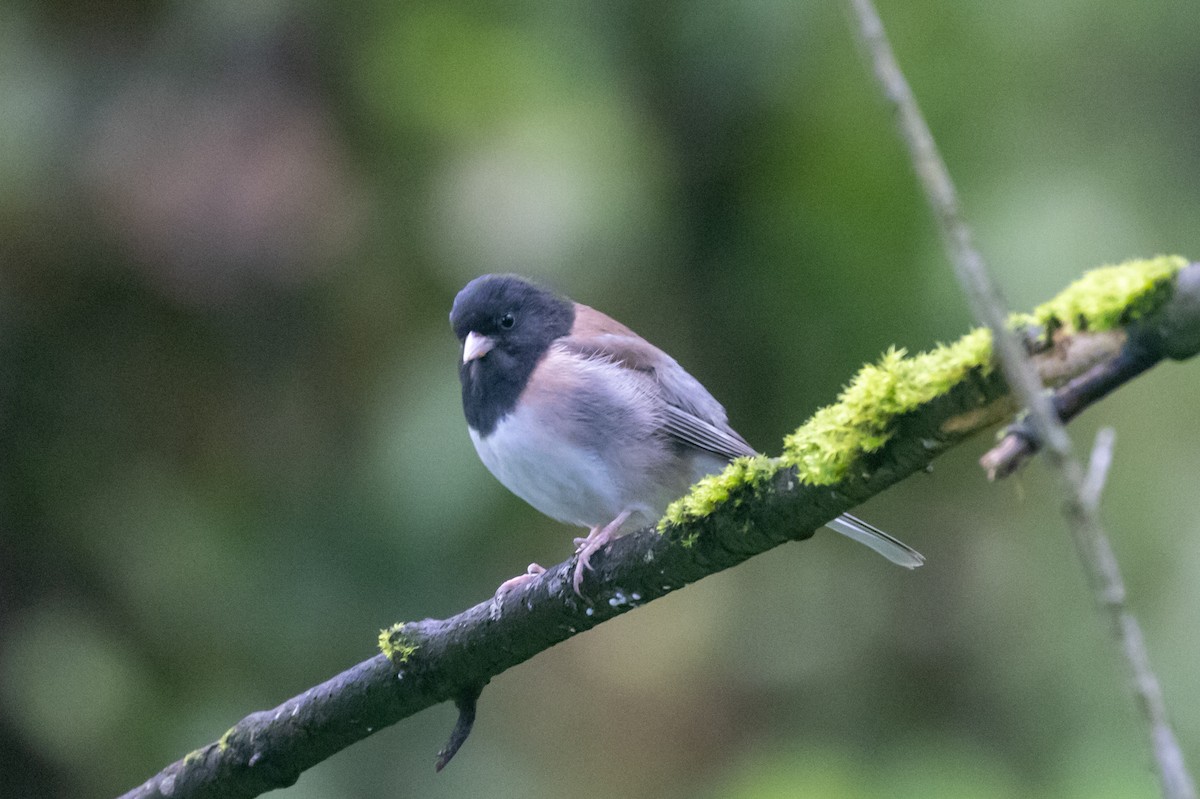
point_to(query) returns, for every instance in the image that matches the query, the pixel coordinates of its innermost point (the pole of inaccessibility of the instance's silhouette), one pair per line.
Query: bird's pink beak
(476, 346)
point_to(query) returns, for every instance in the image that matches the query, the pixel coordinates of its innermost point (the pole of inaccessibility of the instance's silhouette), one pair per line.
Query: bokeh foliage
(230, 442)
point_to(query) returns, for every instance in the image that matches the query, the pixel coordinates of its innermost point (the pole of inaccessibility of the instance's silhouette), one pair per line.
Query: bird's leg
(596, 538)
(531, 572)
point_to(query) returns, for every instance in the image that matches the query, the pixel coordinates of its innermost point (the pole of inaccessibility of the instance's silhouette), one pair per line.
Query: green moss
(715, 489)
(224, 742)
(398, 646)
(1110, 296)
(863, 419)
(837, 435)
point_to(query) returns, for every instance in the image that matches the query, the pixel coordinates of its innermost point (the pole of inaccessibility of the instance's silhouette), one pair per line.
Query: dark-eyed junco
(588, 422)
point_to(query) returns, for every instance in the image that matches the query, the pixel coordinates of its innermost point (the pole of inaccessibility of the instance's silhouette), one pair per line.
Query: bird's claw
(584, 555)
(532, 572)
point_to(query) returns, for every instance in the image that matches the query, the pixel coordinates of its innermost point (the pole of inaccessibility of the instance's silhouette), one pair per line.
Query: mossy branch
(892, 420)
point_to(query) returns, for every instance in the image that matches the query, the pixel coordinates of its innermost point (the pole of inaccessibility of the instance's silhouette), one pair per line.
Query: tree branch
(1045, 424)
(891, 421)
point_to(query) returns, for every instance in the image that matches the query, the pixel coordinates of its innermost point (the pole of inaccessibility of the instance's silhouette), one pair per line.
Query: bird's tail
(893, 549)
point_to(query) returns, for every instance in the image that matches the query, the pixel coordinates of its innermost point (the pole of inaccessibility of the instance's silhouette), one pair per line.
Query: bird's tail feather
(891, 548)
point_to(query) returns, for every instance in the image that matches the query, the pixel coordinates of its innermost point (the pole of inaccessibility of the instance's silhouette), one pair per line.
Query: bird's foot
(586, 547)
(532, 572)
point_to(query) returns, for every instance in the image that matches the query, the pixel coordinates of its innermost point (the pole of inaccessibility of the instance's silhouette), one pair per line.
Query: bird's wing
(688, 412)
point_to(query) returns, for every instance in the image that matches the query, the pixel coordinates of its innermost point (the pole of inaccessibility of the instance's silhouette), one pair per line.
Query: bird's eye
(507, 321)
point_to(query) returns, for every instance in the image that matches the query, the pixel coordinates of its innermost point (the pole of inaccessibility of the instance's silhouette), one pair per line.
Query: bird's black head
(505, 324)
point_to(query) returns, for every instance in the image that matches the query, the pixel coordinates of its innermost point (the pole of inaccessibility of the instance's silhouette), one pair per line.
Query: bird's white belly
(551, 473)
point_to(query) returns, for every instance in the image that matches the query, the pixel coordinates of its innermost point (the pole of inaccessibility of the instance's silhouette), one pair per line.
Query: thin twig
(1098, 466)
(1071, 399)
(1090, 540)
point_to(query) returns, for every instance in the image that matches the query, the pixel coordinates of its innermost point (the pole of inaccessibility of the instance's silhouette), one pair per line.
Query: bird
(587, 421)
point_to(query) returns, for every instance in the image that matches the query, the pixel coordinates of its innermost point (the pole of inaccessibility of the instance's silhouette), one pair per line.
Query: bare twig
(1098, 466)
(1069, 400)
(1090, 540)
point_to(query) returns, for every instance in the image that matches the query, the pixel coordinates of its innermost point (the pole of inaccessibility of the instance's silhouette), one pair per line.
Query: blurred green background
(231, 447)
